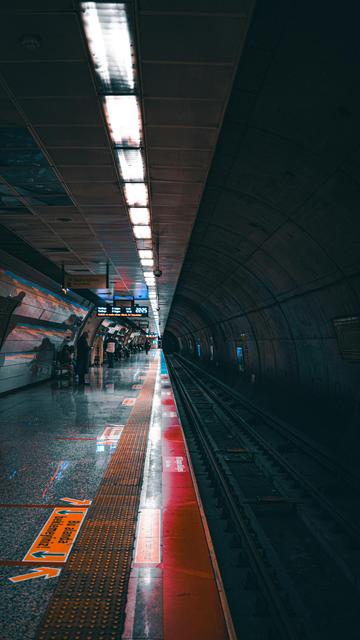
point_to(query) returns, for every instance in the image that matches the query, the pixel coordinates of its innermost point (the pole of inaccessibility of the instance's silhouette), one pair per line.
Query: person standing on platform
(147, 346)
(82, 357)
(110, 352)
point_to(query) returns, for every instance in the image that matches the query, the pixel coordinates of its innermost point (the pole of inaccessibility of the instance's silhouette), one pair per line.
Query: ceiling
(61, 189)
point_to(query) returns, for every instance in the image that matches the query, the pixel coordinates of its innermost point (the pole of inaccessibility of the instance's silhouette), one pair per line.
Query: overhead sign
(57, 536)
(86, 281)
(110, 311)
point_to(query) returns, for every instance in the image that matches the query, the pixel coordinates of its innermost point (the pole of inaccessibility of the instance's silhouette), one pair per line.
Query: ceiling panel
(71, 110)
(74, 136)
(48, 78)
(159, 157)
(189, 81)
(181, 137)
(93, 173)
(49, 28)
(182, 112)
(188, 60)
(189, 38)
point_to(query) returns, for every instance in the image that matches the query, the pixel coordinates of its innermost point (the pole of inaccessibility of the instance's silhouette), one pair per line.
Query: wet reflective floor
(55, 443)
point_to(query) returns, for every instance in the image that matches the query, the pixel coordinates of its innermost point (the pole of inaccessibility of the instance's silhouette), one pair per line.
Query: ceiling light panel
(107, 30)
(145, 253)
(131, 164)
(124, 120)
(136, 195)
(139, 215)
(142, 231)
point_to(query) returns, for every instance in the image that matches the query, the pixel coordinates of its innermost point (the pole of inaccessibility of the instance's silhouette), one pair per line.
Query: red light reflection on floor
(192, 607)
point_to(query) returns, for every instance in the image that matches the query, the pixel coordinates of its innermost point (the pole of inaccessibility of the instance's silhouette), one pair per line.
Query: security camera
(157, 273)
(30, 41)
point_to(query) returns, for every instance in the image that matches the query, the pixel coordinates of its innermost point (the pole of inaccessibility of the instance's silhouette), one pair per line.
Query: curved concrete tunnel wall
(274, 254)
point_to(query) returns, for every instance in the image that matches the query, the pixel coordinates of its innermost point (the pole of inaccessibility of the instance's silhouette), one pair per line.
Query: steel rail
(308, 446)
(351, 529)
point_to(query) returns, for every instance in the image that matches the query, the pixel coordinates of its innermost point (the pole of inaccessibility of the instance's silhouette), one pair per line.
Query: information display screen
(109, 311)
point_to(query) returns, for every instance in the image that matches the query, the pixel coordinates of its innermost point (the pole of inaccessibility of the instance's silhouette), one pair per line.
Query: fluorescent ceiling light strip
(145, 253)
(123, 116)
(107, 30)
(140, 215)
(142, 231)
(131, 165)
(136, 195)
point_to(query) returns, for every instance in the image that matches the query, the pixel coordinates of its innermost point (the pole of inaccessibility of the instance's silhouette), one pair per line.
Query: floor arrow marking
(46, 554)
(39, 572)
(64, 512)
(57, 535)
(77, 503)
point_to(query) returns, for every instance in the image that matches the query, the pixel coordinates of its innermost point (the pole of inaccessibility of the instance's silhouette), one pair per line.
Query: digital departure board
(110, 311)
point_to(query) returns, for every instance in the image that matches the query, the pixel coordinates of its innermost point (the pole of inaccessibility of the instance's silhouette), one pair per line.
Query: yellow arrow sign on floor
(38, 572)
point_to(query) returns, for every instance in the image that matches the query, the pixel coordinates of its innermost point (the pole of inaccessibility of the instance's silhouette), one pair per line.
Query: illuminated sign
(109, 311)
(87, 281)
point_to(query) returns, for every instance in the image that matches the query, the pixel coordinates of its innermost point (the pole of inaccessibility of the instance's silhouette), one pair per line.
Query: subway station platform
(102, 529)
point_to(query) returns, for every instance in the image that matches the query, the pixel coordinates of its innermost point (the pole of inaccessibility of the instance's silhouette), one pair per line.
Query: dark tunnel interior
(272, 268)
(170, 343)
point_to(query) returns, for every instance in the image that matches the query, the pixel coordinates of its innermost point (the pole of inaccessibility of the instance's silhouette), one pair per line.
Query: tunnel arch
(274, 249)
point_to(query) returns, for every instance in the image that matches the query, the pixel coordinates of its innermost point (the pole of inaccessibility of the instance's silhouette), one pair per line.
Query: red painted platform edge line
(219, 583)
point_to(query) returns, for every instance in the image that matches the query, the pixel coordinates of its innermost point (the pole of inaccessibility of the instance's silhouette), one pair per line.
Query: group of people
(113, 348)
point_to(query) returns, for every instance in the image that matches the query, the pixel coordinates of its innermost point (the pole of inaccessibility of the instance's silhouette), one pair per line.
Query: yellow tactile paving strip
(89, 600)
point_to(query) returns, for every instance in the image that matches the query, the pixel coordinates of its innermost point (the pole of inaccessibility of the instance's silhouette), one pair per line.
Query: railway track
(279, 495)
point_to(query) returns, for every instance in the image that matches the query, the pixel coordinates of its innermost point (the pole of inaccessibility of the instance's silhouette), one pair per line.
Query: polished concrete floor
(55, 444)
